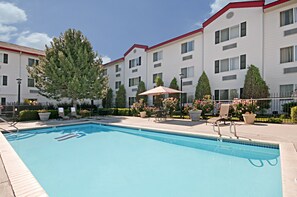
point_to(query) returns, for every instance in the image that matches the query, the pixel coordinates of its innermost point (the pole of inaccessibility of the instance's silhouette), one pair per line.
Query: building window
(31, 62)
(286, 54)
(287, 17)
(4, 58)
(117, 68)
(4, 80)
(157, 75)
(230, 33)
(286, 90)
(31, 82)
(135, 62)
(3, 101)
(117, 84)
(229, 64)
(233, 94)
(243, 29)
(188, 72)
(226, 94)
(134, 81)
(104, 72)
(132, 100)
(157, 56)
(187, 47)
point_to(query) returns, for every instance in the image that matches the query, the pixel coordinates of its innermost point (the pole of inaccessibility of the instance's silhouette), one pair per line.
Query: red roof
(275, 3)
(114, 61)
(176, 38)
(20, 49)
(136, 46)
(245, 4)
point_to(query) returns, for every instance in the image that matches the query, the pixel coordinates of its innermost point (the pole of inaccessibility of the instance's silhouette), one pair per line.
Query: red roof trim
(275, 3)
(176, 38)
(136, 46)
(245, 4)
(114, 61)
(18, 51)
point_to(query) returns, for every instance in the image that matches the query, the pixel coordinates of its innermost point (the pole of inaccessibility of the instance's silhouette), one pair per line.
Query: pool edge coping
(289, 187)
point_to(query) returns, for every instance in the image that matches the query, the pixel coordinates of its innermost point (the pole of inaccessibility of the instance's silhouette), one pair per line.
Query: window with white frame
(31, 82)
(117, 68)
(4, 80)
(157, 75)
(187, 47)
(287, 90)
(4, 58)
(187, 72)
(134, 81)
(157, 56)
(288, 17)
(135, 62)
(226, 94)
(32, 61)
(230, 33)
(288, 54)
(132, 100)
(117, 84)
(228, 64)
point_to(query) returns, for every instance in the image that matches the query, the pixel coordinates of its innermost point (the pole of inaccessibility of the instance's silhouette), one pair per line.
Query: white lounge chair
(62, 114)
(73, 113)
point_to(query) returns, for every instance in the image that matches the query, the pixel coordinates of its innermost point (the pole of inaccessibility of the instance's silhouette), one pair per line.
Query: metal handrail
(10, 124)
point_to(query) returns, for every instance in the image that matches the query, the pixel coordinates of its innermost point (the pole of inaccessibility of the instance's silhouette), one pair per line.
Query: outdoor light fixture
(181, 94)
(19, 81)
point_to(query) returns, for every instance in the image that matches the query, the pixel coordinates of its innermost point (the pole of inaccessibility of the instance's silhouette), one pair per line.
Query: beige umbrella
(160, 90)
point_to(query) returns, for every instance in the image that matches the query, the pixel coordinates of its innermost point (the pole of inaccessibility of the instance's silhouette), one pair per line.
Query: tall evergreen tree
(254, 85)
(203, 87)
(141, 88)
(121, 97)
(173, 85)
(107, 101)
(70, 69)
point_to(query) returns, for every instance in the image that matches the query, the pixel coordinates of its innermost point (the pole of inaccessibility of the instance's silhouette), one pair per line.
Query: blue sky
(112, 26)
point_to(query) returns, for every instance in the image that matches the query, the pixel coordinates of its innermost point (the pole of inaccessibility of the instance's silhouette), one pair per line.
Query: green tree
(141, 88)
(254, 85)
(70, 69)
(107, 101)
(121, 97)
(158, 99)
(203, 87)
(173, 85)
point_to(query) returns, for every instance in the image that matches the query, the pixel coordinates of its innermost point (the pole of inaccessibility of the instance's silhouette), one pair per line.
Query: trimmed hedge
(114, 111)
(294, 114)
(288, 106)
(27, 115)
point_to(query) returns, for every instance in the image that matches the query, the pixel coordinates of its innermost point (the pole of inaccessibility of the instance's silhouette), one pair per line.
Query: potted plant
(201, 107)
(245, 109)
(139, 108)
(44, 114)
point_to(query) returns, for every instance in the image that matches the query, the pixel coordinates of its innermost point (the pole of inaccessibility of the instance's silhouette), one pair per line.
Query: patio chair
(73, 113)
(160, 115)
(223, 117)
(62, 114)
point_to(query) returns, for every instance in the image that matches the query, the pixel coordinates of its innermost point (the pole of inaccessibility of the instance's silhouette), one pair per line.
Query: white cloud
(34, 40)
(105, 59)
(11, 14)
(219, 4)
(7, 29)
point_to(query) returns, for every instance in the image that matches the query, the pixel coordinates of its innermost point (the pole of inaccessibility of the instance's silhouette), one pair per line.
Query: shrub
(169, 104)
(294, 114)
(287, 107)
(203, 87)
(206, 105)
(105, 111)
(275, 120)
(84, 113)
(26, 115)
(54, 114)
(123, 111)
(121, 97)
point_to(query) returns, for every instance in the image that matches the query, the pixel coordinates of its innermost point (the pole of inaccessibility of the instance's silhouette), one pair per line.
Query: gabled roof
(17, 48)
(115, 61)
(135, 46)
(275, 3)
(175, 39)
(244, 4)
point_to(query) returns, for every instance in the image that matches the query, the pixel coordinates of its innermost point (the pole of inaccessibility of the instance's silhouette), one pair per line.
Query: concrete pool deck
(283, 134)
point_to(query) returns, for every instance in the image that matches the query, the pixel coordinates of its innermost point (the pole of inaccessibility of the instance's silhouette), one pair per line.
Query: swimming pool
(101, 160)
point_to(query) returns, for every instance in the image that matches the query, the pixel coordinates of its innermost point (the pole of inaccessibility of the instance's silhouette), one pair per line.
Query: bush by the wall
(26, 115)
(123, 111)
(287, 107)
(294, 114)
(275, 120)
(85, 113)
(54, 114)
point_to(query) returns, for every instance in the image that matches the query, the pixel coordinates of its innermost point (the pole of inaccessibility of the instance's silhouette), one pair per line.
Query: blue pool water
(121, 162)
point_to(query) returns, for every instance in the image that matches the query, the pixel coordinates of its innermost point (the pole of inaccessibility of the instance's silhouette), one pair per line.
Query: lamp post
(181, 94)
(19, 81)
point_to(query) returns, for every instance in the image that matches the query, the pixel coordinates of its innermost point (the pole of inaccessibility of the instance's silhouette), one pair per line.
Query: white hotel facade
(240, 34)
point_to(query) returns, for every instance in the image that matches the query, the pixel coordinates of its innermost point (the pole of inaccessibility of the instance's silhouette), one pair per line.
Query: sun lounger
(73, 113)
(62, 114)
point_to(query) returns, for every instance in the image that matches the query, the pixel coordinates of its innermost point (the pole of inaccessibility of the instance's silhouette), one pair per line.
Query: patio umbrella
(159, 91)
